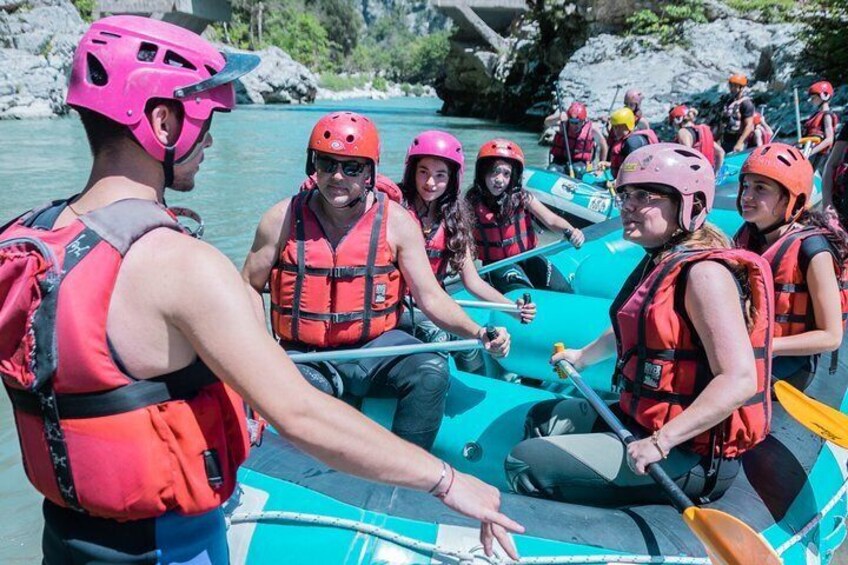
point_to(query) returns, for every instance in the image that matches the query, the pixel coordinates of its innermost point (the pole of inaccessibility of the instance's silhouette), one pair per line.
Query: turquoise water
(257, 159)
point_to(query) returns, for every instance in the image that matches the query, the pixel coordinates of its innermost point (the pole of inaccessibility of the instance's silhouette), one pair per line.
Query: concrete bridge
(482, 19)
(191, 14)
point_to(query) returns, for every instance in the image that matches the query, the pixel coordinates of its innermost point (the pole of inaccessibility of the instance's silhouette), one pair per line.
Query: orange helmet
(738, 79)
(345, 134)
(677, 113)
(823, 89)
(788, 167)
(501, 149)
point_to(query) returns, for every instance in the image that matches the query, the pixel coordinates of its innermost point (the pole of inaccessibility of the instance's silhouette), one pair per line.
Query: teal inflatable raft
(290, 508)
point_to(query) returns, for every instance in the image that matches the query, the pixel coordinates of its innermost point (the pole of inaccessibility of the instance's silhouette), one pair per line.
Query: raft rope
(476, 555)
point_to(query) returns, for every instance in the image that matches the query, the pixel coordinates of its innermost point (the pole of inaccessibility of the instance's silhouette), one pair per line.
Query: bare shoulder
(400, 221)
(273, 221)
(711, 280)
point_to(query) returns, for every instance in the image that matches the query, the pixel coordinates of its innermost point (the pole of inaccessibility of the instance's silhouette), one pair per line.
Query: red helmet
(758, 118)
(501, 149)
(823, 89)
(345, 134)
(785, 165)
(577, 111)
(677, 114)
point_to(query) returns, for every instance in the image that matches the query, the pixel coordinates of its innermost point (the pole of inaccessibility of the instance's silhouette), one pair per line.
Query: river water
(257, 159)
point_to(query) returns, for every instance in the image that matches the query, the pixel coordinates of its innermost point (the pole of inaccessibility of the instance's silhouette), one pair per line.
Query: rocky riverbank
(37, 40)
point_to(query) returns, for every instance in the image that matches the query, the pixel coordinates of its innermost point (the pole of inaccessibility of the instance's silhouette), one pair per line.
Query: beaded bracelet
(441, 478)
(443, 495)
(655, 439)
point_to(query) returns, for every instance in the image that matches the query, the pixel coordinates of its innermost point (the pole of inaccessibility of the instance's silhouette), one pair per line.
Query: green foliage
(380, 83)
(85, 9)
(826, 51)
(772, 11)
(337, 82)
(667, 24)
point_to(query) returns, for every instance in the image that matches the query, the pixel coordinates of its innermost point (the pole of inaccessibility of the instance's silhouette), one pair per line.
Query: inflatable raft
(290, 508)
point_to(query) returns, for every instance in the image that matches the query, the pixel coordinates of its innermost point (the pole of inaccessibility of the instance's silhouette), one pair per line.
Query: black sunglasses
(327, 164)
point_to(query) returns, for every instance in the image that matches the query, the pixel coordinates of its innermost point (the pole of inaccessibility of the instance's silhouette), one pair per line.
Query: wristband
(443, 495)
(655, 439)
(441, 478)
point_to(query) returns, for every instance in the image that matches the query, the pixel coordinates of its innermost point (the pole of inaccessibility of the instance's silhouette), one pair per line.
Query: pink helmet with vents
(124, 62)
(684, 170)
(439, 144)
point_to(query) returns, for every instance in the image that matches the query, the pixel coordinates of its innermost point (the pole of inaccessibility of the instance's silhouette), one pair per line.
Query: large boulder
(279, 79)
(609, 65)
(37, 41)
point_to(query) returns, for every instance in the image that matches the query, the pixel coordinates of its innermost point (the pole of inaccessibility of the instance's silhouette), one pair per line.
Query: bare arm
(684, 137)
(555, 223)
(833, 161)
(602, 348)
(484, 291)
(718, 151)
(555, 119)
(237, 348)
(265, 250)
(406, 239)
(827, 307)
(712, 302)
(601, 140)
(747, 128)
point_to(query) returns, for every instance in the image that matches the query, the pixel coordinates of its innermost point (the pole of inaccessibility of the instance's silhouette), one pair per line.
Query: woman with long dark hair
(431, 185)
(807, 250)
(503, 214)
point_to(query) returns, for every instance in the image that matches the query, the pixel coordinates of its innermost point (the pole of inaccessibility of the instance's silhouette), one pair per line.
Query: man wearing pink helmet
(127, 345)
(692, 361)
(343, 226)
(633, 100)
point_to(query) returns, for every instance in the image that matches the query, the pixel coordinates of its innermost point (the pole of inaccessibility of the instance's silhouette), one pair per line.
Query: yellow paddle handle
(560, 346)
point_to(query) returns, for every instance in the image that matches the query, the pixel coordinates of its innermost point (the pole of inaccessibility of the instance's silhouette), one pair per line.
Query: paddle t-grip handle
(491, 332)
(526, 299)
(675, 494)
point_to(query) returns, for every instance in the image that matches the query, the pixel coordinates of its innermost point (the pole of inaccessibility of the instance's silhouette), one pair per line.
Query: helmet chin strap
(168, 166)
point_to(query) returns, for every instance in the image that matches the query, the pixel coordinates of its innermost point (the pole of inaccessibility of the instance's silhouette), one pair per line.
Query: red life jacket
(703, 136)
(582, 144)
(383, 184)
(814, 126)
(496, 241)
(92, 437)
(751, 140)
(616, 147)
(328, 297)
(793, 308)
(436, 244)
(662, 367)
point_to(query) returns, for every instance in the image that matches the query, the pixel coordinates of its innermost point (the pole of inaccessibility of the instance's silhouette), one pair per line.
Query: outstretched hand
(480, 501)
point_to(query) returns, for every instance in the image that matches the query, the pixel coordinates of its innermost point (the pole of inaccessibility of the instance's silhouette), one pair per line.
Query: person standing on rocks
(585, 141)
(128, 345)
(696, 136)
(737, 118)
(633, 100)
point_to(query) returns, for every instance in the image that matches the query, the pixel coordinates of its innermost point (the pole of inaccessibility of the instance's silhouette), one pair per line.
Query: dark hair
(451, 210)
(505, 206)
(104, 133)
(828, 221)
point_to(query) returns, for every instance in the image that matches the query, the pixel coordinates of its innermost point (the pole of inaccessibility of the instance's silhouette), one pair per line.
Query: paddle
(826, 422)
(797, 114)
(513, 308)
(727, 540)
(562, 129)
(392, 350)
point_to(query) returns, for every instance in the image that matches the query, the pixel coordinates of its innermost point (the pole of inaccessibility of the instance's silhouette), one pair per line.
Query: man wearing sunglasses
(585, 141)
(127, 345)
(339, 259)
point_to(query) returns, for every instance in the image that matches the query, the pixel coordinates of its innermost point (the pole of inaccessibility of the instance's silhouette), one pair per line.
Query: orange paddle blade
(728, 540)
(821, 419)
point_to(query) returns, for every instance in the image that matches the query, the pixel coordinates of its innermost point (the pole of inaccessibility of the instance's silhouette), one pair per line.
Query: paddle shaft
(551, 248)
(678, 498)
(489, 305)
(389, 351)
(563, 131)
(797, 113)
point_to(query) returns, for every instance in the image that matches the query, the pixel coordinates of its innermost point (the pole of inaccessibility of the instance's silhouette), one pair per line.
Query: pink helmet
(123, 62)
(439, 144)
(684, 170)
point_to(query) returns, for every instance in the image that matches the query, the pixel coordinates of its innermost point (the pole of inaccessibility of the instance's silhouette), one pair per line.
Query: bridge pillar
(190, 14)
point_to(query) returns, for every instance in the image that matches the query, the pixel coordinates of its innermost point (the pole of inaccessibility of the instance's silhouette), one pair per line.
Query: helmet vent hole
(96, 73)
(212, 72)
(350, 139)
(784, 160)
(175, 60)
(109, 34)
(99, 42)
(326, 134)
(147, 52)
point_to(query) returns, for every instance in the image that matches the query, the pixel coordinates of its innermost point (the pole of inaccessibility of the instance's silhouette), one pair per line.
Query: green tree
(826, 51)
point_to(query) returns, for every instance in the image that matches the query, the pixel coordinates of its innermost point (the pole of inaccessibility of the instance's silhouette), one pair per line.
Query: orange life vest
(383, 184)
(793, 309)
(662, 367)
(92, 437)
(326, 297)
(496, 241)
(703, 136)
(814, 126)
(617, 146)
(581, 144)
